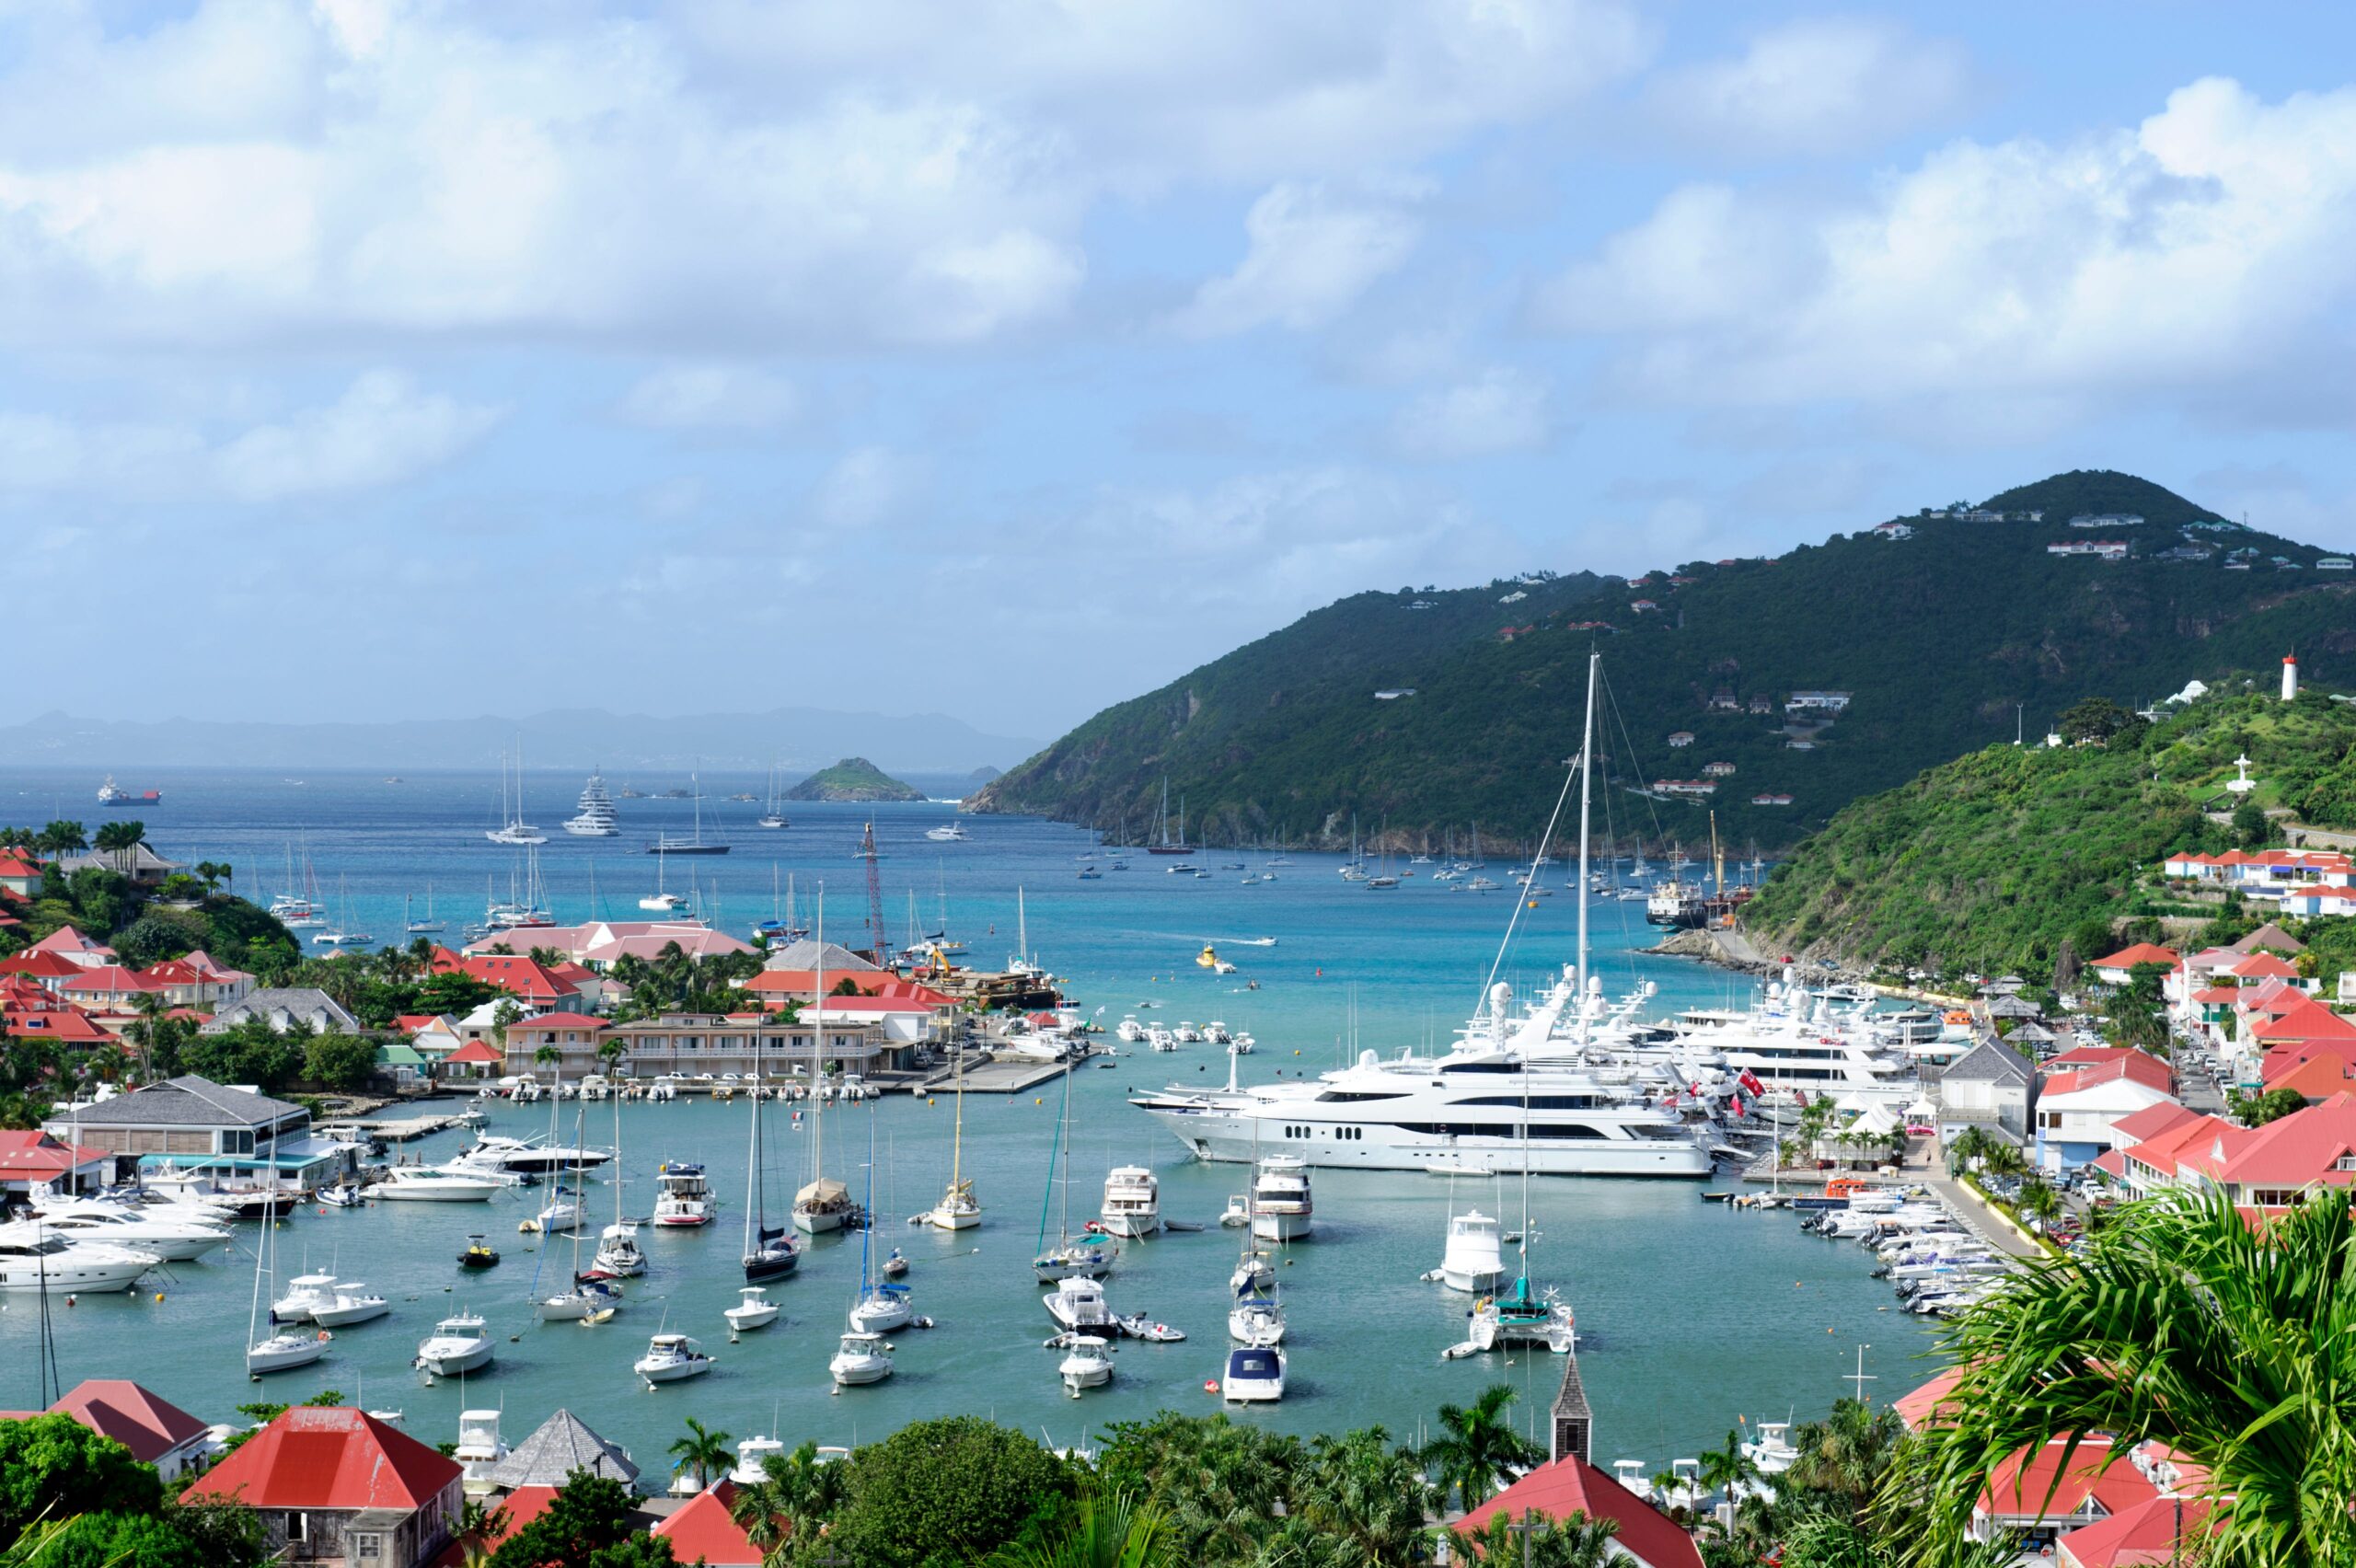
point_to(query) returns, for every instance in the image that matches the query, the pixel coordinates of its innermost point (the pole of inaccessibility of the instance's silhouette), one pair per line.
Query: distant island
(853, 778)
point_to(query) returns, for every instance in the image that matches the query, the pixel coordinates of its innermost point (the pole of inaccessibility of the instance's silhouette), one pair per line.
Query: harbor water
(1689, 1313)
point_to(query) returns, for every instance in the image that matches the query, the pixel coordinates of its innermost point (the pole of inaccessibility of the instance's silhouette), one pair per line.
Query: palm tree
(610, 1052)
(146, 1030)
(2039, 1202)
(1364, 1500)
(1843, 1457)
(1478, 1445)
(1572, 1541)
(2230, 1342)
(797, 1496)
(62, 837)
(1729, 1469)
(702, 1450)
(2003, 1159)
(1970, 1145)
(1095, 1530)
(546, 1056)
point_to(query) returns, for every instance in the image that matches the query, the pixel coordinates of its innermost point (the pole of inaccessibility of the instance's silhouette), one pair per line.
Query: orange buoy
(1210, 1385)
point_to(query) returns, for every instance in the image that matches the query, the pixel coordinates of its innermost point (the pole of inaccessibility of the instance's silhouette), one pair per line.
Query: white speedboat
(948, 832)
(351, 1304)
(1474, 1260)
(753, 1455)
(283, 1353)
(618, 1250)
(753, 1310)
(862, 1359)
(305, 1293)
(1087, 1363)
(478, 1451)
(1132, 1202)
(1129, 1032)
(670, 1358)
(1256, 1320)
(527, 1157)
(1078, 1306)
(1255, 1374)
(429, 1185)
(456, 1344)
(1281, 1209)
(33, 1258)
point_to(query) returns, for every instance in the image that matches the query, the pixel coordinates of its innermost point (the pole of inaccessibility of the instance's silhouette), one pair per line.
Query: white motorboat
(168, 1236)
(618, 1250)
(1255, 1374)
(1256, 1320)
(284, 1352)
(31, 1258)
(456, 1344)
(1132, 1202)
(670, 1358)
(753, 1455)
(352, 1303)
(1078, 1306)
(1281, 1209)
(303, 1293)
(1237, 1210)
(431, 1184)
(682, 1196)
(478, 1451)
(1129, 1032)
(948, 832)
(1474, 1260)
(862, 1359)
(753, 1310)
(1087, 1363)
(529, 1156)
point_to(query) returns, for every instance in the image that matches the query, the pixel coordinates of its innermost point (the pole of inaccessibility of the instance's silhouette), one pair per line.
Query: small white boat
(1132, 1202)
(351, 1304)
(1087, 1363)
(881, 1309)
(948, 832)
(1473, 1261)
(1256, 1320)
(670, 1358)
(1078, 1304)
(456, 1344)
(555, 1217)
(1456, 1165)
(1238, 1211)
(862, 1359)
(618, 1252)
(305, 1293)
(755, 1310)
(478, 1451)
(282, 1353)
(1255, 1374)
(1129, 1032)
(425, 1184)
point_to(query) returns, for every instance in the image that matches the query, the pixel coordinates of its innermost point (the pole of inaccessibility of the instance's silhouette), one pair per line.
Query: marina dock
(993, 1078)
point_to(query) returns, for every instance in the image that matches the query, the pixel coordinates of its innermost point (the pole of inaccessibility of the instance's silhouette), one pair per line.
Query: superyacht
(597, 819)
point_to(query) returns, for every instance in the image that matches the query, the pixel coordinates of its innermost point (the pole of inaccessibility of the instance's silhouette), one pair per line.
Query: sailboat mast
(1586, 795)
(753, 1157)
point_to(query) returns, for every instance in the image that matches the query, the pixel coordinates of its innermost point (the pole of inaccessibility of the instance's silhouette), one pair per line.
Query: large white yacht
(1409, 1112)
(1132, 1202)
(598, 818)
(33, 1257)
(1788, 1049)
(1281, 1209)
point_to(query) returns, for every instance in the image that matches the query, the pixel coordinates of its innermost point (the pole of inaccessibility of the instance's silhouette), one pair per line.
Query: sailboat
(277, 1352)
(693, 843)
(880, 1306)
(430, 925)
(512, 828)
(1525, 1315)
(584, 1297)
(345, 933)
(822, 1204)
(775, 815)
(662, 901)
(1169, 846)
(1088, 1256)
(1257, 1318)
(299, 905)
(958, 1208)
(769, 1252)
(864, 1356)
(618, 1250)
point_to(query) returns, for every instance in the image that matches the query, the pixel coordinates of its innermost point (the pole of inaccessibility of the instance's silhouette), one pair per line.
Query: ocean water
(1689, 1313)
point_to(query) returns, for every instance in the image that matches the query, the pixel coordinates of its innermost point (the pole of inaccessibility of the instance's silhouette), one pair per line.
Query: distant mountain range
(1770, 691)
(797, 739)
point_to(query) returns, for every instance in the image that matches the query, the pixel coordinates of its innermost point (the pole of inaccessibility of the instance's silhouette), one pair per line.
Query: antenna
(1861, 1377)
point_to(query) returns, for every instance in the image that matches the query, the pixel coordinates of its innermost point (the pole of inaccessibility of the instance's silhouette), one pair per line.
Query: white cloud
(2200, 247)
(868, 487)
(1501, 410)
(712, 397)
(1820, 85)
(1311, 254)
(380, 430)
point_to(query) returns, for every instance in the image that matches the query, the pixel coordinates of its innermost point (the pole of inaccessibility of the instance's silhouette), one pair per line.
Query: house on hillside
(1718, 769)
(1991, 1087)
(140, 863)
(2107, 520)
(336, 1486)
(2103, 550)
(1680, 738)
(284, 1008)
(1761, 703)
(156, 1431)
(1816, 702)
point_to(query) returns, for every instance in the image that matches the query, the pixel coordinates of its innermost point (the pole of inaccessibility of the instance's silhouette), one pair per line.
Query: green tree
(702, 1450)
(2257, 1110)
(503, 1018)
(1095, 1529)
(1573, 1542)
(62, 838)
(2251, 830)
(2038, 1202)
(2181, 1322)
(1359, 1502)
(1221, 1485)
(52, 1467)
(1477, 1445)
(343, 1063)
(941, 1492)
(114, 837)
(796, 1497)
(588, 1524)
(2094, 719)
(1727, 1469)
(1843, 1458)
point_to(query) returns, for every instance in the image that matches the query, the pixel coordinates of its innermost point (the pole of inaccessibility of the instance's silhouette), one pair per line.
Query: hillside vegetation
(1937, 637)
(1993, 861)
(853, 778)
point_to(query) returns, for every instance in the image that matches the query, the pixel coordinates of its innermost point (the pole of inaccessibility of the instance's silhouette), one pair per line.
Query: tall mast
(1587, 791)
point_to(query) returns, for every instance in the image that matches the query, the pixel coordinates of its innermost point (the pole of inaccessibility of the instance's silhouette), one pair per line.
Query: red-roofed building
(337, 1485)
(20, 874)
(573, 1036)
(2094, 1087)
(2266, 1170)
(156, 1431)
(2161, 1530)
(2264, 966)
(521, 976)
(2042, 1493)
(2301, 1022)
(196, 981)
(109, 987)
(47, 970)
(2114, 970)
(1920, 1408)
(477, 1058)
(71, 944)
(1571, 1485)
(31, 1158)
(2153, 1162)
(702, 1531)
(2317, 1071)
(67, 1026)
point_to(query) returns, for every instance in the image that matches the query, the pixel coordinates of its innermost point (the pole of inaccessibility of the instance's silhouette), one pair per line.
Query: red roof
(1918, 1409)
(2034, 1483)
(15, 868)
(111, 979)
(2111, 1163)
(1572, 1485)
(2151, 1121)
(2264, 966)
(2141, 952)
(2137, 1537)
(2217, 995)
(327, 1457)
(2318, 1072)
(147, 1424)
(35, 1153)
(65, 938)
(56, 1023)
(2108, 1064)
(41, 965)
(559, 1021)
(475, 1051)
(2202, 1134)
(2300, 1148)
(702, 1531)
(517, 973)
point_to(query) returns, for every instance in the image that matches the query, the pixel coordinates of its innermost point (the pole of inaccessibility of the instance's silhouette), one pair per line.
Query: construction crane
(875, 896)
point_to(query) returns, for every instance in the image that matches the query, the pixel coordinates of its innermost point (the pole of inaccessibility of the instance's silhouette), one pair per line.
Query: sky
(1007, 358)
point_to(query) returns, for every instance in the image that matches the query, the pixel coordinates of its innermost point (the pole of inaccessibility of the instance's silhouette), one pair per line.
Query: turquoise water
(1689, 1313)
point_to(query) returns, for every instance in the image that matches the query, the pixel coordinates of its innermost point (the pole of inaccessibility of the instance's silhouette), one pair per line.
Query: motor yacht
(1087, 1363)
(1473, 1260)
(34, 1257)
(948, 832)
(1255, 1374)
(529, 1156)
(683, 1197)
(1132, 1202)
(456, 1344)
(478, 1451)
(305, 1293)
(431, 1184)
(862, 1359)
(1281, 1209)
(670, 1358)
(350, 1304)
(754, 1309)
(597, 819)
(1078, 1306)
(173, 1239)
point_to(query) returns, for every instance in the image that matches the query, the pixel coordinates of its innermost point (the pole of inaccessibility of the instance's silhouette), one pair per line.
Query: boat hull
(1228, 1140)
(1132, 1226)
(673, 1371)
(1280, 1227)
(817, 1222)
(345, 1317)
(741, 1319)
(449, 1363)
(849, 1372)
(284, 1354)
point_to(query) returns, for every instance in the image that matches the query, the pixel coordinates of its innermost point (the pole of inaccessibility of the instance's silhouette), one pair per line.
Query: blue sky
(1012, 357)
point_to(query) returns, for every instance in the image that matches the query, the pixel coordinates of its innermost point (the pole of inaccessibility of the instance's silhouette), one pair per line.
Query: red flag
(1738, 1111)
(1750, 1081)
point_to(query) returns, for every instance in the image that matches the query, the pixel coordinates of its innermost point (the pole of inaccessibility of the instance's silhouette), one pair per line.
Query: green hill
(1936, 637)
(853, 778)
(1991, 862)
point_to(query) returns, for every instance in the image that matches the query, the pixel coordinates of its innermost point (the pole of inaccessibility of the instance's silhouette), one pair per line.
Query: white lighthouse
(2289, 676)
